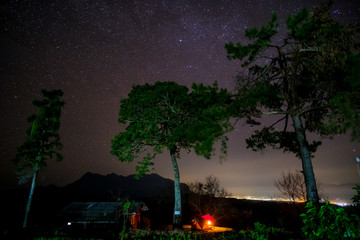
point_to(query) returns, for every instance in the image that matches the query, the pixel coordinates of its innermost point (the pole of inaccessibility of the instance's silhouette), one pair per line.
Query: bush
(329, 222)
(175, 234)
(260, 232)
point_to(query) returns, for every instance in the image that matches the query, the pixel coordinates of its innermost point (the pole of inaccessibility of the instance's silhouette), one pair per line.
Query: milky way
(96, 50)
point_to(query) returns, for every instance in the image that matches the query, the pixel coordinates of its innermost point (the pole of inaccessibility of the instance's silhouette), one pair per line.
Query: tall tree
(43, 140)
(310, 78)
(166, 115)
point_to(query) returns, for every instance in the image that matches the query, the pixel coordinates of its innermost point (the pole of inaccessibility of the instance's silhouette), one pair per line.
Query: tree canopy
(43, 140)
(166, 115)
(310, 78)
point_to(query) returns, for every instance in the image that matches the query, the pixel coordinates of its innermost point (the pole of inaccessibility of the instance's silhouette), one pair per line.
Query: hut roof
(98, 212)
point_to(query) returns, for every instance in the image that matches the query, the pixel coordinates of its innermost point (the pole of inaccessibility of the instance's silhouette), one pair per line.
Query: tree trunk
(34, 127)
(309, 176)
(177, 206)
(27, 211)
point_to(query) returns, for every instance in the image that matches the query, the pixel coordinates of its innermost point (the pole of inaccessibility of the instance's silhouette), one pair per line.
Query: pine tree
(310, 79)
(43, 141)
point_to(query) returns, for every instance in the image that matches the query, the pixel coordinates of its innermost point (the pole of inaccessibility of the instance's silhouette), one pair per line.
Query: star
(95, 51)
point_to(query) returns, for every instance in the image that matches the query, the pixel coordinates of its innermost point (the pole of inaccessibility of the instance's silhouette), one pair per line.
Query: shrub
(174, 234)
(329, 222)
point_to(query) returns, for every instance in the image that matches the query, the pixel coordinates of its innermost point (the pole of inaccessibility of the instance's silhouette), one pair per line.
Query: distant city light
(69, 223)
(343, 204)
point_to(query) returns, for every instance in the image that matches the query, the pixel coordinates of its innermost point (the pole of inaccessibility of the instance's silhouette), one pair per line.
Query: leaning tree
(166, 115)
(43, 142)
(309, 78)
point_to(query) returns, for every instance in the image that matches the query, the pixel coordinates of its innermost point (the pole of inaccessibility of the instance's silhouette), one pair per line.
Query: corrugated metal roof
(98, 212)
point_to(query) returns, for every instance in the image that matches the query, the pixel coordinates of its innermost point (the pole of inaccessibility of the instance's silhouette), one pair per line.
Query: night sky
(96, 50)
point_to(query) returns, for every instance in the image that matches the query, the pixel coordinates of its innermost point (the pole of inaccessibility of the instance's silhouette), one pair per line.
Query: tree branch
(274, 113)
(278, 121)
(311, 109)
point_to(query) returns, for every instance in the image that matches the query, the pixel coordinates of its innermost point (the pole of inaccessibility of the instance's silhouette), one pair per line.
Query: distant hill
(110, 187)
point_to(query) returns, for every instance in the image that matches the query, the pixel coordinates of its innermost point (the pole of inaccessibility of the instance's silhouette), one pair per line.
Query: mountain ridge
(112, 186)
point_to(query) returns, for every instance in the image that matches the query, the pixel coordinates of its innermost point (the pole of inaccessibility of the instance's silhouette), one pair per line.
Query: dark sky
(96, 50)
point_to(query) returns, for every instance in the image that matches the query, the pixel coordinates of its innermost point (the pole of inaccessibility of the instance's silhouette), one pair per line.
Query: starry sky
(95, 50)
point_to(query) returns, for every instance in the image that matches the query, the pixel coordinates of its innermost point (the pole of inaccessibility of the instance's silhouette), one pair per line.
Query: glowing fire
(209, 222)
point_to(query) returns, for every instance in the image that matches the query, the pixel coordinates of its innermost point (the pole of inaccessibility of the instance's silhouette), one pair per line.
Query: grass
(66, 238)
(259, 232)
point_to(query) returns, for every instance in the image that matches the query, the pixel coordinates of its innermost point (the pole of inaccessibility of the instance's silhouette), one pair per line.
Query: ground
(213, 229)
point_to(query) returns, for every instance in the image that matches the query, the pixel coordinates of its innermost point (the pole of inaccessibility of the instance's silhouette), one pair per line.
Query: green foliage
(168, 115)
(259, 232)
(329, 222)
(231, 235)
(211, 119)
(59, 233)
(353, 71)
(325, 96)
(160, 235)
(145, 165)
(126, 206)
(123, 234)
(300, 25)
(43, 140)
(262, 232)
(346, 102)
(278, 140)
(65, 238)
(261, 38)
(255, 93)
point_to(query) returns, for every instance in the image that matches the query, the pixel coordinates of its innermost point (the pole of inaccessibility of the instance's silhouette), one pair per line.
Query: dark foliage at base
(249, 219)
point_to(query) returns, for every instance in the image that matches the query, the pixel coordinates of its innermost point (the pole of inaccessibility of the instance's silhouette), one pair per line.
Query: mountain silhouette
(112, 186)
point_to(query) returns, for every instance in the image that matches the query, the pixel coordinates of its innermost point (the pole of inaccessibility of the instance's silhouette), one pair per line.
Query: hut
(104, 213)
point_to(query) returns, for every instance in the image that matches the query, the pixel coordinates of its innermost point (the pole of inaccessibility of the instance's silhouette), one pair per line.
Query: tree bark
(177, 206)
(28, 206)
(309, 176)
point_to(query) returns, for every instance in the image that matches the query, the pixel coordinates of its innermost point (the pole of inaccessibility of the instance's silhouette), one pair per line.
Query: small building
(104, 213)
